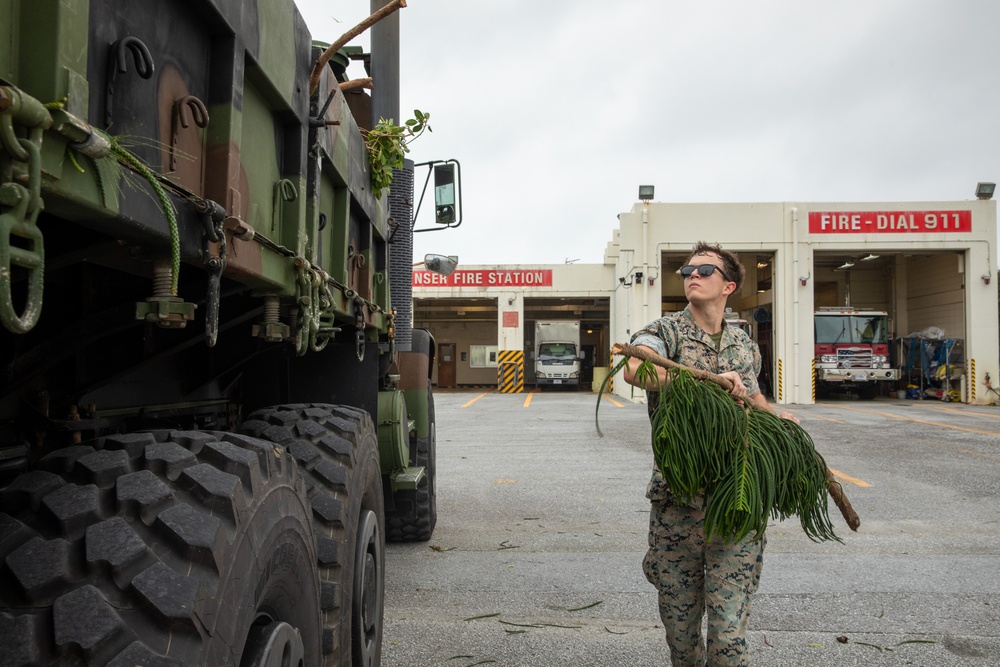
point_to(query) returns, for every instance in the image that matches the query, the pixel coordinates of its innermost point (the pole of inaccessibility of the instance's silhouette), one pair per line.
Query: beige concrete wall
(648, 230)
(933, 278)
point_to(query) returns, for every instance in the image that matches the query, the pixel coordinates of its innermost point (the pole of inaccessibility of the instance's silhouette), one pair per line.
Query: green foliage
(387, 147)
(750, 464)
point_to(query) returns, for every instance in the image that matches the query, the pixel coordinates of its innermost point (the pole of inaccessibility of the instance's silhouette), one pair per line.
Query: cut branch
(833, 486)
(647, 354)
(841, 501)
(357, 83)
(321, 62)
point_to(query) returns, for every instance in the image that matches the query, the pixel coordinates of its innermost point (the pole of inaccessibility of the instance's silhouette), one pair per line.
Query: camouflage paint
(251, 152)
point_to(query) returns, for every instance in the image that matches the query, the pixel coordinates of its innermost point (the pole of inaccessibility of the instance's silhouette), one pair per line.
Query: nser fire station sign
(889, 222)
(485, 278)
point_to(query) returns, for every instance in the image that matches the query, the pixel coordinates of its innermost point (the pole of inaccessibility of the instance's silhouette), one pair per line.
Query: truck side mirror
(442, 264)
(445, 200)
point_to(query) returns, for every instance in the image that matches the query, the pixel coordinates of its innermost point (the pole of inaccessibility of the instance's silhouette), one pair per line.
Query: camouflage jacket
(679, 338)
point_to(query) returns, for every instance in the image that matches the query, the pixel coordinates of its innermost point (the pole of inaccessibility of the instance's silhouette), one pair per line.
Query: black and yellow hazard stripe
(510, 371)
(611, 378)
(779, 394)
(971, 384)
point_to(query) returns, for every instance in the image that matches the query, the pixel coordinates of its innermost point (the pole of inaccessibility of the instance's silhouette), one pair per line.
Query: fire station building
(931, 267)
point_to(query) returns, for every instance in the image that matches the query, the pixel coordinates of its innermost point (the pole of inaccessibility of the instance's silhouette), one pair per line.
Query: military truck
(213, 407)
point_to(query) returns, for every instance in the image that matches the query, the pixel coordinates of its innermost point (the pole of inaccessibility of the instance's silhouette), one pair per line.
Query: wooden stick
(647, 354)
(841, 501)
(832, 486)
(357, 83)
(321, 62)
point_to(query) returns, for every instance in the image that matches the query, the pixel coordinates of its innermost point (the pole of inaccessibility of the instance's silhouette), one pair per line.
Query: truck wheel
(337, 450)
(159, 548)
(415, 515)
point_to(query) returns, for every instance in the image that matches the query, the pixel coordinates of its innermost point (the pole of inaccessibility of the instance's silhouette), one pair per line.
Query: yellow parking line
(611, 400)
(963, 412)
(911, 419)
(475, 399)
(985, 456)
(527, 400)
(828, 419)
(848, 478)
(780, 408)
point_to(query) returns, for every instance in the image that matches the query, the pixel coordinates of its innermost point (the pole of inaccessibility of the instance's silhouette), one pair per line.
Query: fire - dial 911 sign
(889, 222)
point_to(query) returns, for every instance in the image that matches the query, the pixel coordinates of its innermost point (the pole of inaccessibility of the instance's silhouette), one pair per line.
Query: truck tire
(337, 450)
(159, 548)
(415, 514)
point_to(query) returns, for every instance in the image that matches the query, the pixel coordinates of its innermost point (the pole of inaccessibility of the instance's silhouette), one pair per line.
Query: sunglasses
(704, 270)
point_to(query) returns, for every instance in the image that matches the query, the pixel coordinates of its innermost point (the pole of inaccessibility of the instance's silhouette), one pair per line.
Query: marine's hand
(739, 389)
(789, 416)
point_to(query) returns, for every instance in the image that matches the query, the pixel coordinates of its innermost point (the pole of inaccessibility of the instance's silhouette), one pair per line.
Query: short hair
(730, 262)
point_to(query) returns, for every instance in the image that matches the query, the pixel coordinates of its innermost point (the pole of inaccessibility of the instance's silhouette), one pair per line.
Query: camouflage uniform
(694, 576)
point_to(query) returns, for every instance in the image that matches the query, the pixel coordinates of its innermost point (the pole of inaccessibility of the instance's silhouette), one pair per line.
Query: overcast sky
(558, 110)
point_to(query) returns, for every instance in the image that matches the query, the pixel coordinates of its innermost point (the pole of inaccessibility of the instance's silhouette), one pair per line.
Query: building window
(482, 356)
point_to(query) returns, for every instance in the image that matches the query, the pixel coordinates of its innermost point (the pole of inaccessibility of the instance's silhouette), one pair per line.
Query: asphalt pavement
(542, 528)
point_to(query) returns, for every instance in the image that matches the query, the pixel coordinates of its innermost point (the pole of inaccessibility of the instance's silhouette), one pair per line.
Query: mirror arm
(458, 187)
(413, 223)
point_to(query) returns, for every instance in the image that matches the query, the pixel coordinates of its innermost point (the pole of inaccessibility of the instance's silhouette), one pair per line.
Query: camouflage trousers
(695, 578)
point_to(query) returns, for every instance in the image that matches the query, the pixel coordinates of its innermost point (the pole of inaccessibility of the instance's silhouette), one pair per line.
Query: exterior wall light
(985, 190)
(869, 257)
(646, 192)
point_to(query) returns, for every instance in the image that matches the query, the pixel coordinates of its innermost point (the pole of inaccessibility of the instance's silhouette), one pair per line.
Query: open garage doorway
(592, 317)
(922, 293)
(465, 331)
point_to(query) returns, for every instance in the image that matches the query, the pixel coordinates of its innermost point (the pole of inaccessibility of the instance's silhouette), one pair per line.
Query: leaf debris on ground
(476, 618)
(880, 649)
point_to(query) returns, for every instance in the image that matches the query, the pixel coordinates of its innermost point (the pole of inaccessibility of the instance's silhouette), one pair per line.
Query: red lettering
(479, 278)
(897, 222)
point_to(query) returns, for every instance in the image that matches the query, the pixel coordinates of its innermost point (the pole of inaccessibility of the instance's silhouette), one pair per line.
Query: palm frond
(749, 464)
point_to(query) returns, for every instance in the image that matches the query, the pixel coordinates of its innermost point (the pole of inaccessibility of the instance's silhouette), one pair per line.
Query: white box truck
(557, 353)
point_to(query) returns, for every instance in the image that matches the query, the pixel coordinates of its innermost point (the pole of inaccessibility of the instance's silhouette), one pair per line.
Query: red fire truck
(852, 351)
